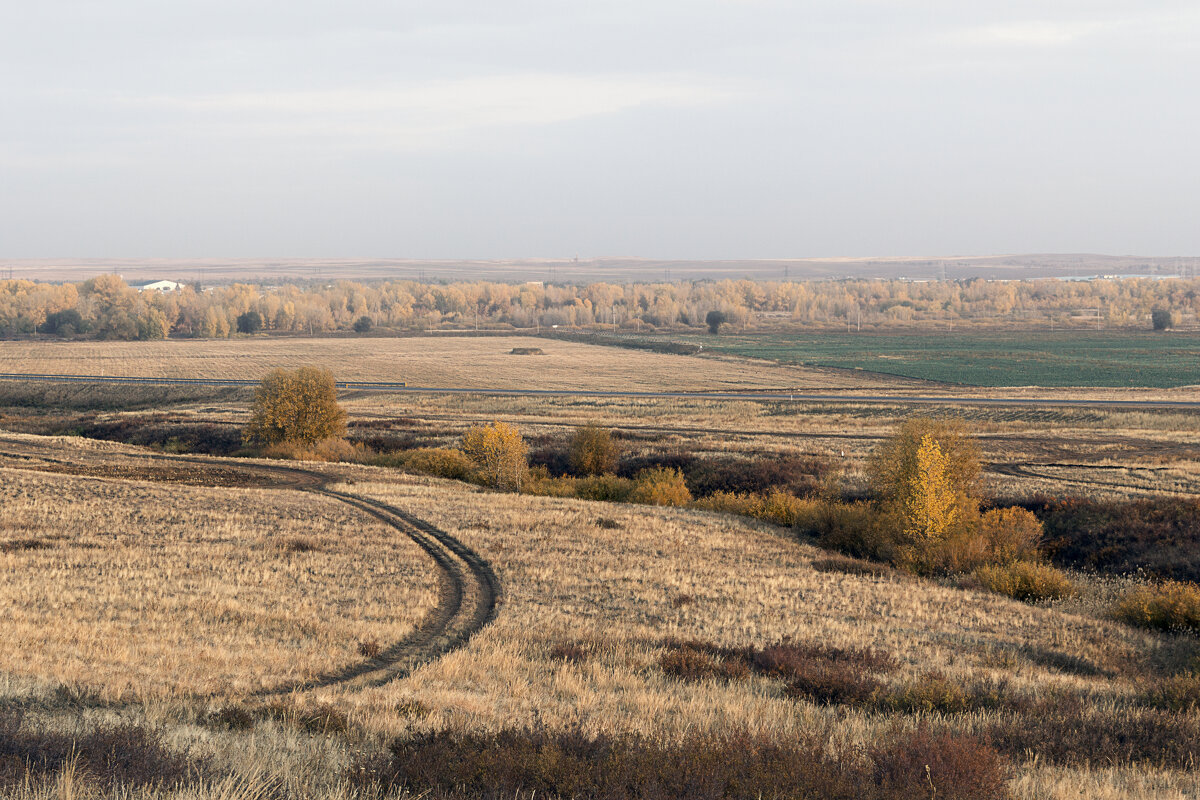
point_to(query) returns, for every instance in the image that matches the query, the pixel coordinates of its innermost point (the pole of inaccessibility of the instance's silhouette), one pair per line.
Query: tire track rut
(469, 591)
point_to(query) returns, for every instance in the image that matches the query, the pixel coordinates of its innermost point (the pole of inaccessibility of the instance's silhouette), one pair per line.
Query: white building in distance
(157, 286)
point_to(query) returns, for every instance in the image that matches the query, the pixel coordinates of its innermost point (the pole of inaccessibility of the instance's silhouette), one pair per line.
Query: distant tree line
(104, 307)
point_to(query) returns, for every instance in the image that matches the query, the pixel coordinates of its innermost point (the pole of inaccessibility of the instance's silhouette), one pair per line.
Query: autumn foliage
(499, 452)
(297, 406)
(926, 514)
(593, 451)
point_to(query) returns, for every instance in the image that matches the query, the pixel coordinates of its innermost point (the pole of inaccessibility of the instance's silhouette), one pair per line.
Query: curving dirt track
(469, 590)
(1022, 469)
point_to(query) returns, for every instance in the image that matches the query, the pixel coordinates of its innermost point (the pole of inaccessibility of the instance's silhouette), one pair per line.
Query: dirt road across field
(468, 593)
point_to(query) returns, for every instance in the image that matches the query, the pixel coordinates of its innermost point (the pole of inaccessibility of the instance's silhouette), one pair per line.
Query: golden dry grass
(567, 578)
(661, 573)
(456, 361)
(139, 589)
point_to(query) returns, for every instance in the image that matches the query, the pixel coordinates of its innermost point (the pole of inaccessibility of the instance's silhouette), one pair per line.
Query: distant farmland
(1000, 358)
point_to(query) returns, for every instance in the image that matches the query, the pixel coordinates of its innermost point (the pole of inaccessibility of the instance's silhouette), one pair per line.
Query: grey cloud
(707, 128)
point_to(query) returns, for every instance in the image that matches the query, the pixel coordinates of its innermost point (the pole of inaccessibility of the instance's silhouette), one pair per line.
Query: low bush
(539, 482)
(1010, 535)
(828, 683)
(691, 662)
(573, 764)
(572, 652)
(792, 659)
(660, 487)
(231, 718)
(816, 672)
(113, 755)
(1172, 606)
(333, 450)
(776, 506)
(323, 719)
(856, 529)
(606, 488)
(854, 566)
(797, 475)
(746, 505)
(1026, 581)
(934, 692)
(938, 766)
(441, 462)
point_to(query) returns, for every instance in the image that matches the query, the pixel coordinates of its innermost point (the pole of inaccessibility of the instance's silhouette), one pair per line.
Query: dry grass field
(455, 361)
(172, 593)
(134, 589)
(169, 602)
(487, 362)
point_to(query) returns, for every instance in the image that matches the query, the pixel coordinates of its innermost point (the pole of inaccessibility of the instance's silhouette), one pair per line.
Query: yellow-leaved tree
(924, 479)
(500, 453)
(297, 406)
(931, 504)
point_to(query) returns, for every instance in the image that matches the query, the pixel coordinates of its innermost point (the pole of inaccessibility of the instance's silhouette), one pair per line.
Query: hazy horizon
(707, 130)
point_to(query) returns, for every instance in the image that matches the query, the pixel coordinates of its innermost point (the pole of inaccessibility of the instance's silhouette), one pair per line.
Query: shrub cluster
(332, 450)
(441, 462)
(1174, 693)
(1027, 581)
(815, 672)
(1171, 606)
(112, 755)
(1159, 535)
(660, 487)
(925, 515)
(777, 506)
(573, 764)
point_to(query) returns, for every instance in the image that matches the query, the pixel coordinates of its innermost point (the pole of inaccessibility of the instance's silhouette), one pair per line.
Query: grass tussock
(571, 764)
(1174, 693)
(855, 566)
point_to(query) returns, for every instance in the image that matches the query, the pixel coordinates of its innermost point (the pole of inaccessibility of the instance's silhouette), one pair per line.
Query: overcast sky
(659, 128)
